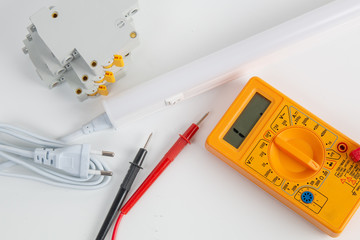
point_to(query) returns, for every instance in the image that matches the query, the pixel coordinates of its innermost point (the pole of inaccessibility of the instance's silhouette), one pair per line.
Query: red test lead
(183, 140)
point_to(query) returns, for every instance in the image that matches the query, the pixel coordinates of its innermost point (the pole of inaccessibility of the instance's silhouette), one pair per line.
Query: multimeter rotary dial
(296, 153)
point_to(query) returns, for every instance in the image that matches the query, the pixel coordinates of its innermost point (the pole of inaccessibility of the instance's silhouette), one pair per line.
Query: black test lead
(123, 191)
(170, 156)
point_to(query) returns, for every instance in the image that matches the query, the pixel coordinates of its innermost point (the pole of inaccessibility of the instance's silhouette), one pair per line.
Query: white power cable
(52, 161)
(101, 122)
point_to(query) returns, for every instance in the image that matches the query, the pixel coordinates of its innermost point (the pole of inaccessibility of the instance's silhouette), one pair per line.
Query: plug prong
(108, 154)
(100, 172)
(106, 173)
(103, 153)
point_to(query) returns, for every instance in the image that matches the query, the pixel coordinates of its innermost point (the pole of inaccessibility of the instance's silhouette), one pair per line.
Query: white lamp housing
(197, 77)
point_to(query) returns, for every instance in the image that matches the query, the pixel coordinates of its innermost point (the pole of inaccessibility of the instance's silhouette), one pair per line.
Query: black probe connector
(125, 187)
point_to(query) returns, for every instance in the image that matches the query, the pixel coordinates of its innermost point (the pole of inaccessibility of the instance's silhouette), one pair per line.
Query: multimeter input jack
(307, 197)
(342, 147)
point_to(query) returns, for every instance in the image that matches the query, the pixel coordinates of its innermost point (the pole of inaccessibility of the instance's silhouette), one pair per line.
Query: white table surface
(198, 196)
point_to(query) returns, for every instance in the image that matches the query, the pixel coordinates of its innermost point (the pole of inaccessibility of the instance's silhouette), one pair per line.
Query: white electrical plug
(73, 160)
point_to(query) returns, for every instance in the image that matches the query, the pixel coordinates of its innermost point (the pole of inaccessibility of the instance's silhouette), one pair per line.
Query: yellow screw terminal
(102, 90)
(118, 61)
(109, 77)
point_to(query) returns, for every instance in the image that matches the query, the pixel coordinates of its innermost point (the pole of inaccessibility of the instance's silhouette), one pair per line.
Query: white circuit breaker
(82, 42)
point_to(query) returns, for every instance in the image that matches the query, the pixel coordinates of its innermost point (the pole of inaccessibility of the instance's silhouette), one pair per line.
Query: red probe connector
(355, 155)
(183, 140)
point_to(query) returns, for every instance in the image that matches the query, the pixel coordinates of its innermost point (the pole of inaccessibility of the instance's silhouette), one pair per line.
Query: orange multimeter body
(290, 153)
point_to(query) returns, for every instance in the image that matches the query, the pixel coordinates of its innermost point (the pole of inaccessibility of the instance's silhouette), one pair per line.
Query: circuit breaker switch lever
(119, 61)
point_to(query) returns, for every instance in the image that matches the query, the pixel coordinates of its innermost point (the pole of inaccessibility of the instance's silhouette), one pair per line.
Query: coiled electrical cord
(52, 161)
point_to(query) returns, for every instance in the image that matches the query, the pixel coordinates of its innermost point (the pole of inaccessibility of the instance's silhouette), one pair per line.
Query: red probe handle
(161, 166)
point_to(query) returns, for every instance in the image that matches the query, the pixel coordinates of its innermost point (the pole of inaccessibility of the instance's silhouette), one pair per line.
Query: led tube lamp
(197, 77)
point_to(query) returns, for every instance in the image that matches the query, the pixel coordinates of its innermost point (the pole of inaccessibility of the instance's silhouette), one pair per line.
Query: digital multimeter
(290, 153)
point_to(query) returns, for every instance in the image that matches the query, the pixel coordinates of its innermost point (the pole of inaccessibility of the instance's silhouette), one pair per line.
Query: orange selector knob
(296, 153)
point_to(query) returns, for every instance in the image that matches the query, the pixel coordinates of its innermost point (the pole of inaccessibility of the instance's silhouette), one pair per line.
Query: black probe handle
(122, 193)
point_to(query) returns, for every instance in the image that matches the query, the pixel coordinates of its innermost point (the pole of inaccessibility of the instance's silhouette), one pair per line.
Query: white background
(198, 196)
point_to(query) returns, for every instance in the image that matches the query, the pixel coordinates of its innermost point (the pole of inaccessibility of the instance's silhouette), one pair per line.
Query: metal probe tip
(108, 153)
(148, 140)
(202, 119)
(106, 173)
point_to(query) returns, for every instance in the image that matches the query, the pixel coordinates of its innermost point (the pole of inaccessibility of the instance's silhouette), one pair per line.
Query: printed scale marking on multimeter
(290, 153)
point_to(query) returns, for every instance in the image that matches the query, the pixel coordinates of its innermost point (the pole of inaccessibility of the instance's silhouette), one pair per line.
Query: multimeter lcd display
(247, 120)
